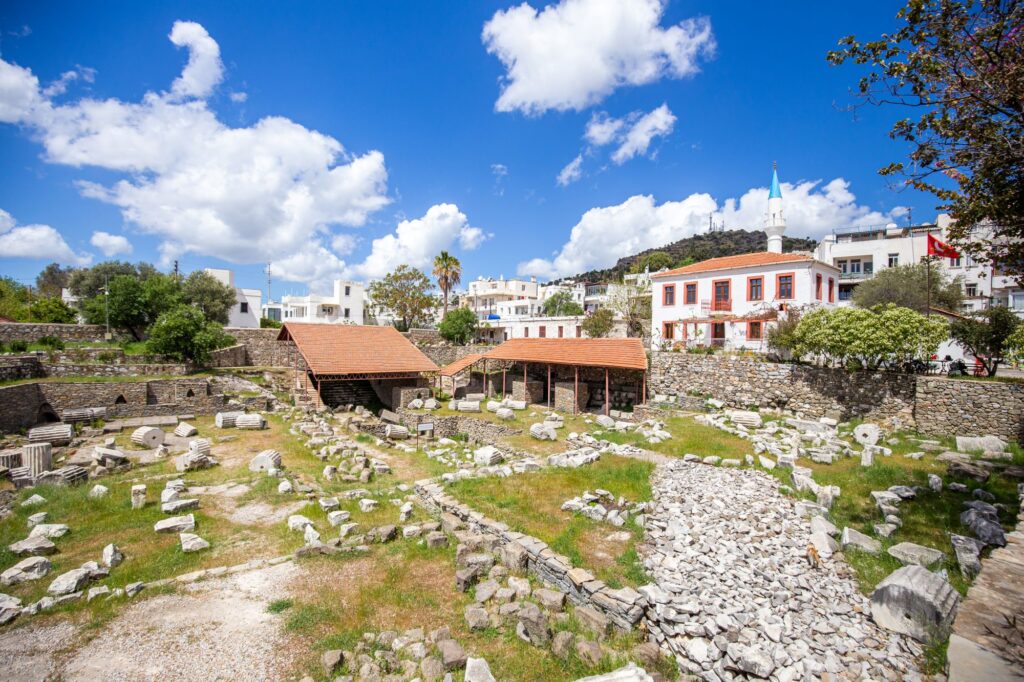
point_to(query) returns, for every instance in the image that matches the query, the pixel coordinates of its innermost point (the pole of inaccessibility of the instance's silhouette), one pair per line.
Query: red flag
(941, 248)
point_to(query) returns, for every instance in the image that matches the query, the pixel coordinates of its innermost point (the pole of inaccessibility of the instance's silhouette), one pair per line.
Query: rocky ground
(736, 595)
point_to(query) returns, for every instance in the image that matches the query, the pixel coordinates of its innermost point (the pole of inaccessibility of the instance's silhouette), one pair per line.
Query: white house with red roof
(730, 302)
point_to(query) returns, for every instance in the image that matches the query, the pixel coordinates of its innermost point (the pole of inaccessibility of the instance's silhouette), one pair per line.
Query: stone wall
(32, 331)
(624, 607)
(232, 356)
(20, 367)
(446, 355)
(422, 337)
(478, 430)
(67, 369)
(23, 406)
(970, 408)
(744, 382)
(262, 347)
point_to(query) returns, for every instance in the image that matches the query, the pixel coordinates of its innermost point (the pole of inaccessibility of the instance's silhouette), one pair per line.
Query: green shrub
(50, 342)
(267, 323)
(19, 346)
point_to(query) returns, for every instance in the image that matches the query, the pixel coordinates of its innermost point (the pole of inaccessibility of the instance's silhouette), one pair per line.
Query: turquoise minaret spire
(775, 192)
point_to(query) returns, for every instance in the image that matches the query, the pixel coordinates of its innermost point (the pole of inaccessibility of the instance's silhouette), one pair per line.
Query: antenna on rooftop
(269, 299)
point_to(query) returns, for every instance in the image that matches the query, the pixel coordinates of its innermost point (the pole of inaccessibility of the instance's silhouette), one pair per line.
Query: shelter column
(485, 377)
(503, 391)
(576, 392)
(643, 388)
(607, 393)
(526, 394)
(549, 387)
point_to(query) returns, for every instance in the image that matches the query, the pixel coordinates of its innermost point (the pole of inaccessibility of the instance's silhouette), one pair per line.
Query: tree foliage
(448, 271)
(869, 338)
(204, 291)
(404, 294)
(632, 304)
(560, 304)
(906, 286)
(14, 299)
(458, 326)
(86, 283)
(267, 323)
(52, 310)
(133, 304)
(599, 323)
(989, 335)
(653, 261)
(52, 279)
(958, 66)
(184, 334)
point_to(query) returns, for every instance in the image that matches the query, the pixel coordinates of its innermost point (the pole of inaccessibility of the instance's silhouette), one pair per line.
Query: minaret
(775, 224)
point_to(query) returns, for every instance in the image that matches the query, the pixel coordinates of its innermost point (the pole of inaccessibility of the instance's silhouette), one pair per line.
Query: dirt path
(212, 630)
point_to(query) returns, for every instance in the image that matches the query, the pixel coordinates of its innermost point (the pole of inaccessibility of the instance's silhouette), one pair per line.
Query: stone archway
(46, 414)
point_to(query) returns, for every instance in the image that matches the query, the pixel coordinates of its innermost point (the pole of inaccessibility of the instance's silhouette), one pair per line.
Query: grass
(687, 437)
(532, 504)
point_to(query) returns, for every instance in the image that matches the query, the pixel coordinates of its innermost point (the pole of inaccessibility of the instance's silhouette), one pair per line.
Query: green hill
(692, 250)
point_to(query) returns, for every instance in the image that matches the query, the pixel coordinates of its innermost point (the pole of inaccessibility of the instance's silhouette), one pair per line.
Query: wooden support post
(576, 392)
(503, 391)
(607, 393)
(549, 387)
(526, 394)
(485, 378)
(643, 388)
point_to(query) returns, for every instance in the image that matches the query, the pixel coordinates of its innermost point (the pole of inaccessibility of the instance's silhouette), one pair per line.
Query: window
(328, 310)
(722, 290)
(843, 266)
(755, 288)
(526, 332)
(831, 290)
(869, 267)
(970, 290)
(784, 286)
(754, 331)
(690, 293)
(243, 307)
(855, 267)
(668, 331)
(560, 334)
(348, 292)
(955, 262)
(894, 260)
(543, 331)
(668, 294)
(348, 313)
(817, 286)
(579, 331)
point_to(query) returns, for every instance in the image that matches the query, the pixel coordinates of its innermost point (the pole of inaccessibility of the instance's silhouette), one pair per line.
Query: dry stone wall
(446, 355)
(20, 367)
(32, 331)
(262, 348)
(232, 356)
(972, 408)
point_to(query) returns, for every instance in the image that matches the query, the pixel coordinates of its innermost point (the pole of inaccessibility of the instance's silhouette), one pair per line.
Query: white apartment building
(539, 327)
(860, 252)
(247, 309)
(730, 302)
(485, 295)
(344, 306)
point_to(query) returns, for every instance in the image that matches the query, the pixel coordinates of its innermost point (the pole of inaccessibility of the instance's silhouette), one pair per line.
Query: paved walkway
(988, 634)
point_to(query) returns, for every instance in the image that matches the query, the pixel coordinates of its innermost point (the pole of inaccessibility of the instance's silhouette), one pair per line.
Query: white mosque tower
(775, 224)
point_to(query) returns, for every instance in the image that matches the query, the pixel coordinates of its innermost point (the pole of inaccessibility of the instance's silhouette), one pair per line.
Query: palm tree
(448, 271)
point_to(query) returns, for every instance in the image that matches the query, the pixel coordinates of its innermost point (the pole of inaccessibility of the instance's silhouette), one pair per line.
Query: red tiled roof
(355, 349)
(460, 364)
(743, 260)
(620, 353)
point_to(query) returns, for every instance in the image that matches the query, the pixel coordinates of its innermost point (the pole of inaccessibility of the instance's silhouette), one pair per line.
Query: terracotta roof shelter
(344, 351)
(743, 260)
(460, 364)
(617, 353)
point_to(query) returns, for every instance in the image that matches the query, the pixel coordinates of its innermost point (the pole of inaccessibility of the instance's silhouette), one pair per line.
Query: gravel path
(735, 595)
(214, 630)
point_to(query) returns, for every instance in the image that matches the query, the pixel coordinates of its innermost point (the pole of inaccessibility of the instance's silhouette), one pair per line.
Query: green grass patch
(279, 605)
(688, 437)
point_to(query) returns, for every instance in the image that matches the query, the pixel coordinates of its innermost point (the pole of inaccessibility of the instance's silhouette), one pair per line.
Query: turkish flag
(941, 248)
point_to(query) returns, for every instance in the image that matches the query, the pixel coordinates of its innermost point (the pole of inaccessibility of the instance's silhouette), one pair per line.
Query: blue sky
(339, 139)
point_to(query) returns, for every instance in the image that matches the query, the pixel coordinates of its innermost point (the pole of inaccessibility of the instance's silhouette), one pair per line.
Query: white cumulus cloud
(110, 244)
(274, 190)
(40, 242)
(572, 172)
(573, 54)
(604, 234)
(415, 242)
(637, 138)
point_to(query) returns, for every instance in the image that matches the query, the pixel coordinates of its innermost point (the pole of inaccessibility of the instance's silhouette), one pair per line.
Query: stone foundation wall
(262, 347)
(20, 367)
(32, 331)
(232, 356)
(624, 607)
(20, 407)
(423, 337)
(445, 355)
(478, 430)
(67, 369)
(970, 408)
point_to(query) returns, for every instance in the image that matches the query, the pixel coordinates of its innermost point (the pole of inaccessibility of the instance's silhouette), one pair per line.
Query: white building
(344, 306)
(247, 309)
(540, 327)
(731, 301)
(485, 295)
(860, 252)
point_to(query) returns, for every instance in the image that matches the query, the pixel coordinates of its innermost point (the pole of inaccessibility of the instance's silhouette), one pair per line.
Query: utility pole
(106, 305)
(175, 269)
(269, 299)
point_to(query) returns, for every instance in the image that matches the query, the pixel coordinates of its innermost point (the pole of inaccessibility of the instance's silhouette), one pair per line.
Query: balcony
(721, 306)
(854, 276)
